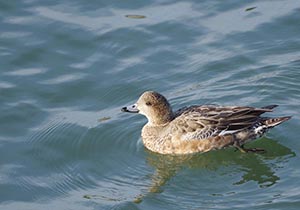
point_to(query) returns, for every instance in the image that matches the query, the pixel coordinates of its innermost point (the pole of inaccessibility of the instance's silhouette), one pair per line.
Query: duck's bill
(131, 109)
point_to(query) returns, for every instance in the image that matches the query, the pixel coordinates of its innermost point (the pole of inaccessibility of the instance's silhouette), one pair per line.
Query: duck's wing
(202, 122)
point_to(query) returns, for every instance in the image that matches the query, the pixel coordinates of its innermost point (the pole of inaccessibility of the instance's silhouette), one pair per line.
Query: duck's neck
(161, 120)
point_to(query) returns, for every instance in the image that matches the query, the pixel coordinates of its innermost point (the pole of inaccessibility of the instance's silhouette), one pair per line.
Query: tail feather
(267, 123)
(272, 122)
(270, 106)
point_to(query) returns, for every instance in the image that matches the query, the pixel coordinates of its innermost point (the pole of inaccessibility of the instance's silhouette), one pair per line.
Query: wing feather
(201, 122)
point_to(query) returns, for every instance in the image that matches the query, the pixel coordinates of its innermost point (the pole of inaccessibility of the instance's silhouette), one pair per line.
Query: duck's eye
(148, 103)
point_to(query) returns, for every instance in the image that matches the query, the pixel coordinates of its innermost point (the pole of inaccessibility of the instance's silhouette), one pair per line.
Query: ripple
(6, 85)
(7, 170)
(14, 35)
(58, 146)
(222, 23)
(69, 146)
(88, 61)
(26, 72)
(64, 79)
(104, 24)
(19, 118)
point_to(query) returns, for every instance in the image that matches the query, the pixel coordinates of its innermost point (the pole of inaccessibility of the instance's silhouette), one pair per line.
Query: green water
(67, 67)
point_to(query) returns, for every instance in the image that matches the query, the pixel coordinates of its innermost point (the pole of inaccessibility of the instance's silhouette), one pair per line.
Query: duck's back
(202, 122)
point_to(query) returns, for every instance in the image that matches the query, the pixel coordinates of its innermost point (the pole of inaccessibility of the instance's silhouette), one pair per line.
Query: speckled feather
(201, 122)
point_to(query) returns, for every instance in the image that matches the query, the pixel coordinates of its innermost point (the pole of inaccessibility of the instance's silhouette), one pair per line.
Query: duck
(200, 128)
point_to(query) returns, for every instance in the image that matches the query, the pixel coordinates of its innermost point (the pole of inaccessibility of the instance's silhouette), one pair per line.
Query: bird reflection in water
(260, 168)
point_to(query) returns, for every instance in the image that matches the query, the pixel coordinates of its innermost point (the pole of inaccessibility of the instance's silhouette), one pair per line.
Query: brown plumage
(199, 128)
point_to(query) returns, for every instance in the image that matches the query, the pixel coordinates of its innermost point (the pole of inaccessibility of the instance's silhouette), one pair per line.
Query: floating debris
(102, 198)
(139, 198)
(104, 119)
(135, 16)
(250, 8)
(87, 196)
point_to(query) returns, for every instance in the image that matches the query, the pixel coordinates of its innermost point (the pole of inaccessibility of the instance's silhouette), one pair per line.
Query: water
(67, 67)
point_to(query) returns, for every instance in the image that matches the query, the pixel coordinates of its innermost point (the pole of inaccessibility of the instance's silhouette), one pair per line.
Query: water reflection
(260, 168)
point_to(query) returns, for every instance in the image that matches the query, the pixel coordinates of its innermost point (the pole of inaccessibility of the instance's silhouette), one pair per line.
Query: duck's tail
(272, 122)
(270, 106)
(268, 123)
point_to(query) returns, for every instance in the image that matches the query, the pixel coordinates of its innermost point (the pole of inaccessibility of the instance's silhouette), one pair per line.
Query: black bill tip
(130, 109)
(124, 109)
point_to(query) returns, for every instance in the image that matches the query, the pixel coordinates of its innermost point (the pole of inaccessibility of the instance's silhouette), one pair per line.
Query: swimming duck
(200, 128)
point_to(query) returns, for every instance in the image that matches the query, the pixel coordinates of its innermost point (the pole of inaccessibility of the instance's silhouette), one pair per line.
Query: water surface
(68, 67)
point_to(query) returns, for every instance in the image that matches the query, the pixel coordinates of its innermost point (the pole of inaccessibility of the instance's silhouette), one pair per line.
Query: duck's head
(154, 106)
